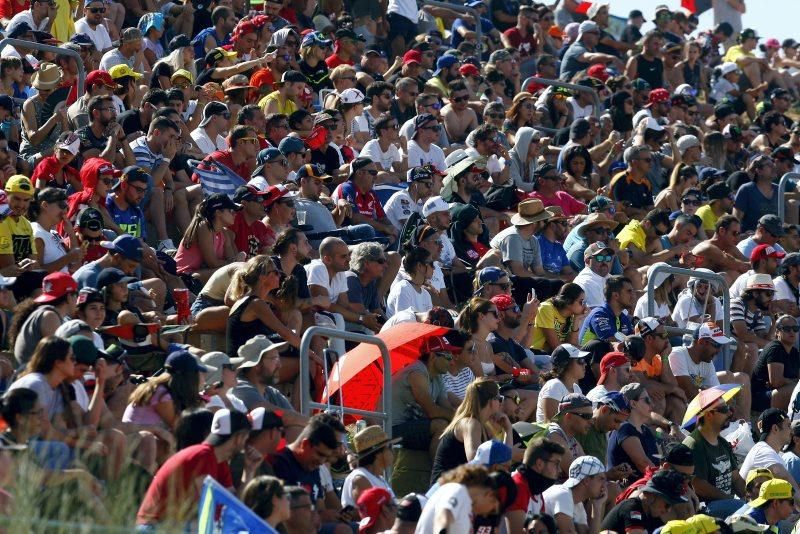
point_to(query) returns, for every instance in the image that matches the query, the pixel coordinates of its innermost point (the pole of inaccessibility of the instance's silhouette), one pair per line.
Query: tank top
(240, 331)
(54, 248)
(375, 480)
(199, 41)
(650, 71)
(488, 368)
(449, 455)
(691, 75)
(29, 334)
(26, 149)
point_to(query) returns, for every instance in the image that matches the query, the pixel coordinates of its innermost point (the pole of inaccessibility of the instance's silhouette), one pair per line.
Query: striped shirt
(457, 385)
(145, 158)
(754, 320)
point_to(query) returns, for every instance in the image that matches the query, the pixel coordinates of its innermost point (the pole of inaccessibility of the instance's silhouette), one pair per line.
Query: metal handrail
(782, 192)
(54, 49)
(306, 404)
(463, 9)
(702, 275)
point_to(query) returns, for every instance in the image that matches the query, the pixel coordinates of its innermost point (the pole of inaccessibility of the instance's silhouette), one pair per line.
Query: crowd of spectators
(600, 226)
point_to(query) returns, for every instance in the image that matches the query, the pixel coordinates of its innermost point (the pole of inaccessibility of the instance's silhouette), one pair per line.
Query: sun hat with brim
(215, 360)
(594, 220)
(253, 350)
(667, 485)
(371, 439)
(47, 77)
(760, 281)
(529, 212)
(772, 490)
(56, 285)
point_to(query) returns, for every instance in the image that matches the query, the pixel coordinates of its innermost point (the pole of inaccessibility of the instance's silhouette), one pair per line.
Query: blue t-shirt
(754, 205)
(456, 38)
(554, 258)
(130, 220)
(574, 245)
(617, 455)
(86, 275)
(601, 323)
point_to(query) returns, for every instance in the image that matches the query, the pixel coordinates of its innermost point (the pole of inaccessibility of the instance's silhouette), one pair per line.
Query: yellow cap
(230, 54)
(678, 526)
(759, 472)
(19, 184)
(183, 73)
(120, 71)
(703, 524)
(772, 490)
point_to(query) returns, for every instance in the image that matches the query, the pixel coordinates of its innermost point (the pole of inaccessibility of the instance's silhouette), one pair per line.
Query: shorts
(399, 26)
(416, 434)
(202, 302)
(762, 399)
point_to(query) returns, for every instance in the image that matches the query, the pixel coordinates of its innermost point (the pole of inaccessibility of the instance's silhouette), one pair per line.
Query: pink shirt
(147, 415)
(568, 204)
(190, 260)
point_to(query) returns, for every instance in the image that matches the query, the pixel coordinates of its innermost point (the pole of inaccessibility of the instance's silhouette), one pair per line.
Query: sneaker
(166, 246)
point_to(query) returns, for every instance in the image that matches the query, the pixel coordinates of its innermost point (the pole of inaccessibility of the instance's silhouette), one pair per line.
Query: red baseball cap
(765, 251)
(100, 77)
(107, 168)
(468, 69)
(609, 362)
(598, 70)
(370, 504)
(503, 302)
(440, 344)
(657, 96)
(55, 286)
(412, 56)
(275, 193)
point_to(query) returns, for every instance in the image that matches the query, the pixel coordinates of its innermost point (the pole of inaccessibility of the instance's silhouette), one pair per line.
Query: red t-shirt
(334, 60)
(172, 493)
(46, 171)
(568, 204)
(251, 238)
(525, 45)
(524, 501)
(367, 203)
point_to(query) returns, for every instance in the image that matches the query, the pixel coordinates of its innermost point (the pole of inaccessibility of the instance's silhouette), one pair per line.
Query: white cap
(653, 124)
(351, 96)
(728, 67)
(710, 330)
(434, 205)
(661, 277)
(260, 183)
(685, 142)
(685, 89)
(587, 26)
(595, 8)
(583, 467)
(641, 114)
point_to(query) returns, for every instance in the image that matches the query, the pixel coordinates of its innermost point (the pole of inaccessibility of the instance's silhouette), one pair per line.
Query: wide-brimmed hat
(255, 348)
(529, 212)
(594, 220)
(372, 439)
(47, 77)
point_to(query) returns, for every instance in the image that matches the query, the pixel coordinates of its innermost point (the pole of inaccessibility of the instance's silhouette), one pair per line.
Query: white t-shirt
(99, 36)
(317, 275)
(372, 150)
(739, 284)
(687, 306)
(27, 17)
(448, 253)
(722, 88)
(553, 389)
(204, 142)
(374, 480)
(579, 112)
(453, 497)
(703, 374)
(399, 208)
(558, 500)
(217, 402)
(641, 310)
(783, 291)
(761, 455)
(403, 316)
(54, 248)
(407, 8)
(403, 295)
(457, 384)
(418, 157)
(593, 285)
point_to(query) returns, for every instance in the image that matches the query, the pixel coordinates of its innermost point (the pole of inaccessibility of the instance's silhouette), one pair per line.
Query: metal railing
(54, 49)
(782, 192)
(701, 275)
(307, 405)
(463, 9)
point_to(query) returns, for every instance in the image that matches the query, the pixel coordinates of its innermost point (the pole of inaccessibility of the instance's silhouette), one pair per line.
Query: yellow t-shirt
(438, 84)
(735, 52)
(16, 237)
(633, 233)
(63, 26)
(287, 108)
(548, 317)
(708, 217)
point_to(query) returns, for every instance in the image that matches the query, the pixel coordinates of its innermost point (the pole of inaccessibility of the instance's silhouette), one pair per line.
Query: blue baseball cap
(126, 245)
(291, 145)
(268, 154)
(492, 452)
(183, 361)
(709, 172)
(315, 38)
(616, 401)
(444, 62)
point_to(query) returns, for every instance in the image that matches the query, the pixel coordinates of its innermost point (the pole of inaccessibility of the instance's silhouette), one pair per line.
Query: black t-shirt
(300, 275)
(775, 352)
(205, 77)
(162, 69)
(638, 195)
(89, 140)
(629, 515)
(318, 77)
(287, 467)
(509, 346)
(631, 34)
(131, 121)
(329, 159)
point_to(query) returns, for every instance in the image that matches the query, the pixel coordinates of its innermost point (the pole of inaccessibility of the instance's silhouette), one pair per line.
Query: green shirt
(714, 464)
(594, 443)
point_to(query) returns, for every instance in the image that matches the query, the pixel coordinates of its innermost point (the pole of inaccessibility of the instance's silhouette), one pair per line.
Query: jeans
(52, 455)
(360, 232)
(723, 507)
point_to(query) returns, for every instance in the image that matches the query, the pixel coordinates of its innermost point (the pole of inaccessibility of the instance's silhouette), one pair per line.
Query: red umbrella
(358, 375)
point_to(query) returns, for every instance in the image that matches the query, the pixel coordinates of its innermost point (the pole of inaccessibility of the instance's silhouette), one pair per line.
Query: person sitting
(410, 291)
(719, 252)
(774, 433)
(598, 258)
(610, 321)
(569, 366)
(634, 443)
(373, 449)
(265, 495)
(749, 314)
(468, 234)
(572, 419)
(559, 319)
(777, 369)
(775, 503)
(643, 512)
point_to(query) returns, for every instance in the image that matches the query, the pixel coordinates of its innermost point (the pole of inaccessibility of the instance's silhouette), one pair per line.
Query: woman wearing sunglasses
(634, 442)
(683, 177)
(778, 367)
(48, 209)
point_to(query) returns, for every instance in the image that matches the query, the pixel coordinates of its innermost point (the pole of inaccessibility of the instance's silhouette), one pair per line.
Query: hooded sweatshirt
(522, 170)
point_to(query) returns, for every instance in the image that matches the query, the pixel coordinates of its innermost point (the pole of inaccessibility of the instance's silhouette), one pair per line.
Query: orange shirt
(650, 370)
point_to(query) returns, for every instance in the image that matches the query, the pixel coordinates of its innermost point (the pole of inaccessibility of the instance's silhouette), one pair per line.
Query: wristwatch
(360, 319)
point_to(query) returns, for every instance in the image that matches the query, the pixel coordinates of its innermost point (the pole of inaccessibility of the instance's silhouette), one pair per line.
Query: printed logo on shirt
(636, 515)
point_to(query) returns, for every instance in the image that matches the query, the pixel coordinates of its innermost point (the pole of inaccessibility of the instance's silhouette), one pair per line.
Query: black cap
(358, 164)
(784, 153)
(723, 110)
(679, 454)
(179, 41)
(87, 295)
(769, 418)
(344, 33)
(410, 508)
(634, 347)
(725, 28)
(718, 191)
(218, 201)
(91, 219)
(748, 33)
(132, 173)
(666, 484)
(636, 14)
(82, 39)
(293, 76)
(18, 29)
(111, 275)
(789, 43)
(248, 192)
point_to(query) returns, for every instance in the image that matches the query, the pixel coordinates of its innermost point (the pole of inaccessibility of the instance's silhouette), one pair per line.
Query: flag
(215, 177)
(696, 6)
(220, 512)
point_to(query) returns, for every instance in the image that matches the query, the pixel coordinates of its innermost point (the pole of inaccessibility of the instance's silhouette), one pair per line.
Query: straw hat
(529, 212)
(372, 439)
(47, 77)
(597, 219)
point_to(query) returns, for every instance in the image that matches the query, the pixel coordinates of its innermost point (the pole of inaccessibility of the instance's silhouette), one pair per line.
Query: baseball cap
(445, 62)
(583, 467)
(184, 361)
(56, 285)
(370, 503)
(211, 109)
(709, 172)
(182, 73)
(358, 164)
(310, 170)
(772, 490)
(647, 325)
(732, 131)
(756, 473)
(412, 56)
(503, 302)
(600, 203)
(571, 402)
(657, 96)
(275, 193)
(685, 142)
(100, 77)
(132, 173)
(19, 184)
(421, 120)
(610, 361)
(315, 39)
(745, 523)
(636, 14)
(441, 344)
(123, 70)
(564, 352)
(763, 251)
(249, 193)
(679, 454)
(351, 96)
(748, 33)
(85, 350)
(219, 201)
(416, 174)
(71, 328)
(263, 419)
(769, 418)
(492, 452)
(784, 153)
(291, 145)
(216, 360)
(410, 507)
(718, 191)
(88, 295)
(676, 526)
(82, 39)
(112, 275)
(596, 248)
(772, 224)
(710, 330)
(179, 41)
(468, 69)
(588, 26)
(490, 275)
(434, 205)
(126, 245)
(344, 33)
(226, 423)
(293, 76)
(90, 219)
(616, 401)
(666, 484)
(599, 71)
(217, 54)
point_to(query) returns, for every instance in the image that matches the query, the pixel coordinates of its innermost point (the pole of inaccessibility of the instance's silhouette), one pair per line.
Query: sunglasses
(603, 258)
(228, 366)
(431, 128)
(789, 328)
(460, 99)
(435, 105)
(96, 10)
(690, 202)
(504, 286)
(723, 408)
(446, 355)
(584, 416)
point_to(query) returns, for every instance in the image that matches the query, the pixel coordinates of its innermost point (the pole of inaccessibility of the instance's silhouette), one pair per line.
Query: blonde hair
(246, 278)
(175, 60)
(478, 394)
(340, 71)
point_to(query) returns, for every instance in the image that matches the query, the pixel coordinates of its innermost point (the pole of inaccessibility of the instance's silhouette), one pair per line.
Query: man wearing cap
(768, 231)
(345, 48)
(446, 72)
(581, 53)
(615, 372)
(775, 503)
(757, 70)
(609, 320)
(174, 492)
(610, 411)
(720, 202)
(285, 99)
(266, 434)
(748, 319)
(421, 147)
(377, 509)
(252, 236)
(692, 368)
(592, 278)
(632, 32)
(17, 245)
(511, 337)
(92, 24)
(643, 512)
(358, 192)
(128, 52)
(98, 83)
(775, 432)
(208, 134)
(565, 502)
